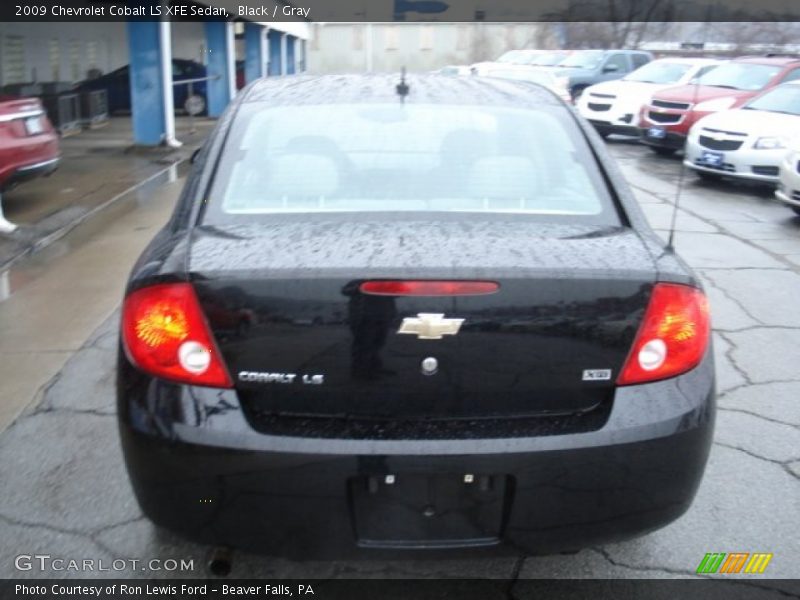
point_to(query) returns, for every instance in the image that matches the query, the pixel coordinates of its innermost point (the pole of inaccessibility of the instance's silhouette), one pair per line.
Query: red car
(28, 142)
(665, 122)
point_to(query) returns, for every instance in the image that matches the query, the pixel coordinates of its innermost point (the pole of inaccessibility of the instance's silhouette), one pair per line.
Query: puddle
(28, 269)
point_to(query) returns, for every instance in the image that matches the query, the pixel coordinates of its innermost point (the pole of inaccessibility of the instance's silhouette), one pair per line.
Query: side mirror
(610, 69)
(195, 154)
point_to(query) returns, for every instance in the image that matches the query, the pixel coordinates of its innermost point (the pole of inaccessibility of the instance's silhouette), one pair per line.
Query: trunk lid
(299, 338)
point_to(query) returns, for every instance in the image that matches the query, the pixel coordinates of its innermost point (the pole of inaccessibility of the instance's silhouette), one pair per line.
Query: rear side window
(412, 157)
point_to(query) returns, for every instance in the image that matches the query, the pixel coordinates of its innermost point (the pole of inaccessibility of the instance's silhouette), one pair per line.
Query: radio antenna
(682, 173)
(402, 88)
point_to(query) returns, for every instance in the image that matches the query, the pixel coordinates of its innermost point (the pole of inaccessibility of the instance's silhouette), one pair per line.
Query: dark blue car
(117, 84)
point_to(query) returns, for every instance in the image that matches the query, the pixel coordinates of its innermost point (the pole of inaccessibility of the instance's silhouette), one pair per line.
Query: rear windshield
(412, 157)
(740, 76)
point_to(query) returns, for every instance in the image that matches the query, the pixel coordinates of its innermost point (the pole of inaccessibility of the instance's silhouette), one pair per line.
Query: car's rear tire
(662, 151)
(195, 105)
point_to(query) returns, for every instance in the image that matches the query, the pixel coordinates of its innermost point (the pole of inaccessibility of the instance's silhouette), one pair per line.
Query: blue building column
(275, 59)
(254, 64)
(221, 68)
(150, 76)
(291, 65)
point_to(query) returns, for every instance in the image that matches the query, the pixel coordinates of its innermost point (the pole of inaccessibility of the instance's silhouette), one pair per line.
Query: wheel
(706, 176)
(662, 151)
(195, 105)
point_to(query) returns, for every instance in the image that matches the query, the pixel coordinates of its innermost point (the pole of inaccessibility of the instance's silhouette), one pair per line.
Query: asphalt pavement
(65, 492)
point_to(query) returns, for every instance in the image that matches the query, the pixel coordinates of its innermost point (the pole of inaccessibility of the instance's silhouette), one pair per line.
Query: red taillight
(673, 336)
(165, 334)
(428, 288)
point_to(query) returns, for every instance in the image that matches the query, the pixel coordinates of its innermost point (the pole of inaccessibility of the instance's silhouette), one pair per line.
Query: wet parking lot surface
(65, 492)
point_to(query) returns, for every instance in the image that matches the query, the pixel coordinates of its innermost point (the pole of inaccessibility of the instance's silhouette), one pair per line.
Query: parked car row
(738, 118)
(573, 70)
(733, 118)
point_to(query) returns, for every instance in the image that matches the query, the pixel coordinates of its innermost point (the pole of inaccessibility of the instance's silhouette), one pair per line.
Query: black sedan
(397, 317)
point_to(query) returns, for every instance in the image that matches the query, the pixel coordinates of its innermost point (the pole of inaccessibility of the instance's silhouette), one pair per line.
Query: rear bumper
(606, 127)
(620, 118)
(198, 468)
(22, 173)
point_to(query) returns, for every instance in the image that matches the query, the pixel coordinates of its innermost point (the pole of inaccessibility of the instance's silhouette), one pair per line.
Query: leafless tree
(744, 35)
(615, 23)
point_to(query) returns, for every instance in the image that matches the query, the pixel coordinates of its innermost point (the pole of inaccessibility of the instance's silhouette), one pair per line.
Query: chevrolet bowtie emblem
(430, 326)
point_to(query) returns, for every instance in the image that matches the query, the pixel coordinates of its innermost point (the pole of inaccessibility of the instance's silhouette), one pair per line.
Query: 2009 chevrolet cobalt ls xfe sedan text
(387, 318)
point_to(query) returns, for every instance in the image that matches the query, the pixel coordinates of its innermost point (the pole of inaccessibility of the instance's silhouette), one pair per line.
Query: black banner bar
(731, 588)
(402, 10)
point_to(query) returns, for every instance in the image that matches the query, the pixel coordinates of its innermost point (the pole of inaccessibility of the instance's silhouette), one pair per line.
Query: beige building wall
(387, 47)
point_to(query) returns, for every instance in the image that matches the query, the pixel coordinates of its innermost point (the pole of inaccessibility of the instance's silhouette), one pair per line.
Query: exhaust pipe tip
(221, 561)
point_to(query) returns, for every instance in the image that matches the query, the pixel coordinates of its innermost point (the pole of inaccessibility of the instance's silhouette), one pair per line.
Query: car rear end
(487, 355)
(28, 142)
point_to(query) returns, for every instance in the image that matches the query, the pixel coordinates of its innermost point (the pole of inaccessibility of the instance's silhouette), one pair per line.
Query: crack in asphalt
(758, 416)
(646, 568)
(784, 464)
(730, 297)
(51, 410)
(756, 327)
(732, 346)
(87, 535)
(727, 232)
